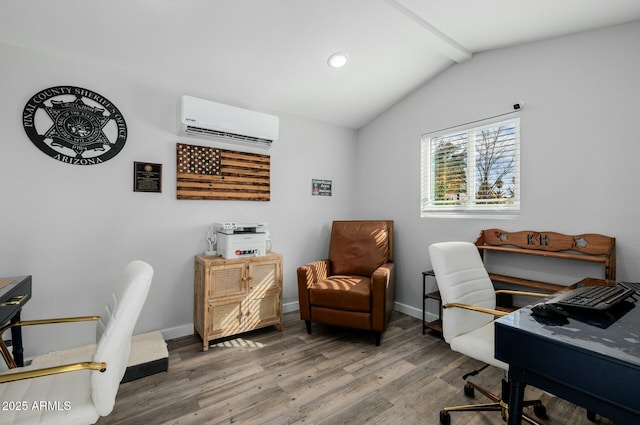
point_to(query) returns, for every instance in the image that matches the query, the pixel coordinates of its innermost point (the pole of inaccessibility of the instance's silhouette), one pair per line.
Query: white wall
(579, 149)
(74, 227)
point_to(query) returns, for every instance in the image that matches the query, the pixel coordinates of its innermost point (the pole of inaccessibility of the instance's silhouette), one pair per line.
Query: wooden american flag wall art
(211, 173)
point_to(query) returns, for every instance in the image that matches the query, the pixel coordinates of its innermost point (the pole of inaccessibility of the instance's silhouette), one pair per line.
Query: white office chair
(469, 308)
(85, 388)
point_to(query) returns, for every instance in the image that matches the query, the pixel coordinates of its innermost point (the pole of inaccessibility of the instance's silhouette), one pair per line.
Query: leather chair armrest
(383, 292)
(307, 276)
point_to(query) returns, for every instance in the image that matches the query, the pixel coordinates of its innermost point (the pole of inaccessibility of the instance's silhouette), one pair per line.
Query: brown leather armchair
(355, 286)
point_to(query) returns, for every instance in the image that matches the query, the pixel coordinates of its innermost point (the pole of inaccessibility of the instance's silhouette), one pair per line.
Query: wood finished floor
(334, 376)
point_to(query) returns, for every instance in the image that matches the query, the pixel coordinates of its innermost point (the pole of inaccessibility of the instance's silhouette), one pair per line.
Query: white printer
(241, 239)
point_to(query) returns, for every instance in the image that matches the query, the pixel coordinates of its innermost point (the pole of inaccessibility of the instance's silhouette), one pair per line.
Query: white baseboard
(408, 310)
(292, 306)
(177, 331)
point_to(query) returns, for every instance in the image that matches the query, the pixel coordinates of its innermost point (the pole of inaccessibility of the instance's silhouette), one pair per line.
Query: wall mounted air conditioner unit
(206, 119)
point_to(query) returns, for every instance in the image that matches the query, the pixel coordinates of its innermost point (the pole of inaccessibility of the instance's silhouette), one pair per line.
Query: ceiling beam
(446, 44)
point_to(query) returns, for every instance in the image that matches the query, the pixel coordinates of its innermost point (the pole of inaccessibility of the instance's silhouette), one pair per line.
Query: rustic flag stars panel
(210, 173)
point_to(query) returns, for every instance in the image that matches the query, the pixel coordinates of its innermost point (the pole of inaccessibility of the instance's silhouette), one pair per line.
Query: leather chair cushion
(358, 247)
(342, 292)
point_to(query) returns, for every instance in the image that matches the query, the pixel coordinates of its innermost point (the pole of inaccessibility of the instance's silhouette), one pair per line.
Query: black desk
(596, 368)
(13, 296)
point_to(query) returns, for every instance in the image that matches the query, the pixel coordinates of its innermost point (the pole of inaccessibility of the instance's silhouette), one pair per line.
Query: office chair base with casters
(498, 404)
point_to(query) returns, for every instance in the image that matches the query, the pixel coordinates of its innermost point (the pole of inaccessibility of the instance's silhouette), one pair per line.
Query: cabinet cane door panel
(229, 280)
(261, 310)
(263, 277)
(225, 319)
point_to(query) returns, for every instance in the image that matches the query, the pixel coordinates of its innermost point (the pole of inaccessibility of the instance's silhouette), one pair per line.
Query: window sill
(493, 215)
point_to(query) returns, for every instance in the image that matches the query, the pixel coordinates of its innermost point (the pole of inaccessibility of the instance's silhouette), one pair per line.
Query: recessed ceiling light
(337, 60)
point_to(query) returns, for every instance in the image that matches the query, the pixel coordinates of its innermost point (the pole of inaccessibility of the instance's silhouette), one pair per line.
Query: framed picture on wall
(321, 187)
(147, 177)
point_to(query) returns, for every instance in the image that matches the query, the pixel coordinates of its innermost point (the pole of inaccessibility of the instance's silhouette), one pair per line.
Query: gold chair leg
(498, 405)
(6, 355)
(488, 394)
(474, 408)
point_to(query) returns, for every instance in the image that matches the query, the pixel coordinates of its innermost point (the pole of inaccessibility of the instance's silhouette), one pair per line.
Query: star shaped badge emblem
(78, 127)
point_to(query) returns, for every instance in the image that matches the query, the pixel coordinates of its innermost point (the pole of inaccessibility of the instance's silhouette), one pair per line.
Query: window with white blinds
(472, 169)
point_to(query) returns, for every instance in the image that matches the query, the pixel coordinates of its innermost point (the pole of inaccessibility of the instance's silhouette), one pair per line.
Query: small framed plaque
(321, 187)
(147, 177)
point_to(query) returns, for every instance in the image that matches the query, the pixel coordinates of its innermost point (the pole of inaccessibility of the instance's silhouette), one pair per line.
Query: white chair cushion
(63, 399)
(478, 344)
(462, 278)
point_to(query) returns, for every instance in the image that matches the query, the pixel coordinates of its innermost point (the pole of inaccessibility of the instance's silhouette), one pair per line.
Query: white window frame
(469, 208)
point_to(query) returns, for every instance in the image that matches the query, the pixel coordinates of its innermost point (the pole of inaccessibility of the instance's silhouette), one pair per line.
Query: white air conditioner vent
(197, 131)
(211, 120)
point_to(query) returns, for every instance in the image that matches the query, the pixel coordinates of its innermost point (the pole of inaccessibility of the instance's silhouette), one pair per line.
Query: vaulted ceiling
(272, 54)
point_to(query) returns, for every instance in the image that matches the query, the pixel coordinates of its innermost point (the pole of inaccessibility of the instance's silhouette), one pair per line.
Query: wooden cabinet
(232, 296)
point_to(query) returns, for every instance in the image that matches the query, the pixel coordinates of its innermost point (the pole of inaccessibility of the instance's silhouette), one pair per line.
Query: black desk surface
(592, 362)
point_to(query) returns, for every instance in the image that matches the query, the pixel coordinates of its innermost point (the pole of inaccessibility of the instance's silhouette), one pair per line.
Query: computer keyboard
(631, 285)
(595, 298)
